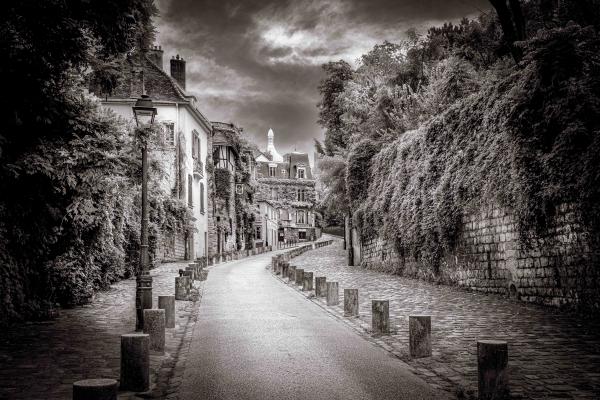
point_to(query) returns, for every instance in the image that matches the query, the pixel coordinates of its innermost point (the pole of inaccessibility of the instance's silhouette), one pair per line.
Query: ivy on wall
(223, 184)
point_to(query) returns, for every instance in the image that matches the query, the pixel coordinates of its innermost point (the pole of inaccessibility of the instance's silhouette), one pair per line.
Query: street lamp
(144, 113)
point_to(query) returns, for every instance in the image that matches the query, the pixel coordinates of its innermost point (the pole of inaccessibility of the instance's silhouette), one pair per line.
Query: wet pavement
(552, 354)
(258, 339)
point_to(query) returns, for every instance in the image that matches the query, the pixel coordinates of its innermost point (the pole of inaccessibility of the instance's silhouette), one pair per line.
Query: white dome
(271, 147)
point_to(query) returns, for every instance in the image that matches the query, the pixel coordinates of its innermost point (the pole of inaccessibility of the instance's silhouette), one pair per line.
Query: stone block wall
(554, 268)
(170, 247)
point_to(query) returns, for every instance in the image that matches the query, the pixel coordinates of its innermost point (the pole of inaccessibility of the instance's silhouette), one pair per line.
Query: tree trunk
(513, 24)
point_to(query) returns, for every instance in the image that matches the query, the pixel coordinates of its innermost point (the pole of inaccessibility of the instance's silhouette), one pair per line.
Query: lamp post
(144, 112)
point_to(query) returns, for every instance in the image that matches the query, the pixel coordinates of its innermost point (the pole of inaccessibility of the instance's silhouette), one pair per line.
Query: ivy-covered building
(286, 182)
(232, 184)
(181, 149)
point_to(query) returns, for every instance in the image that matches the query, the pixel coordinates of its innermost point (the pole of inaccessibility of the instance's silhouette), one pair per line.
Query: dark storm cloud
(257, 63)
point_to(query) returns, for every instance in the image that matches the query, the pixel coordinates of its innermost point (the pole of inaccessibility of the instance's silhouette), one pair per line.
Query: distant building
(266, 224)
(184, 146)
(286, 183)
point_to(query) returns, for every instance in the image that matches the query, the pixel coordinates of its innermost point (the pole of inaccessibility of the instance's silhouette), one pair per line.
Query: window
(300, 217)
(301, 194)
(201, 197)
(190, 194)
(302, 235)
(258, 235)
(300, 173)
(239, 189)
(169, 132)
(195, 145)
(272, 171)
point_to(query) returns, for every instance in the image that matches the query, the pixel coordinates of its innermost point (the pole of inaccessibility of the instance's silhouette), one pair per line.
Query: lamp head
(144, 111)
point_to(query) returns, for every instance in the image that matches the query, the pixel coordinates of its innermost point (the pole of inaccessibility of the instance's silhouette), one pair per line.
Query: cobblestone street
(42, 360)
(552, 354)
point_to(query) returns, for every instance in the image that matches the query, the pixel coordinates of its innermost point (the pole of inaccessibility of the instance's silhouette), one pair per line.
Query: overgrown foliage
(223, 185)
(69, 172)
(76, 226)
(451, 124)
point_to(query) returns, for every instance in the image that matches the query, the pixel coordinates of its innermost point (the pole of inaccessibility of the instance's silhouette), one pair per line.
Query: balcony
(198, 167)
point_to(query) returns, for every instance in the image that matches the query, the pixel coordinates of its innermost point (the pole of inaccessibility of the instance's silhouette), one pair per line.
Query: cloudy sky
(257, 63)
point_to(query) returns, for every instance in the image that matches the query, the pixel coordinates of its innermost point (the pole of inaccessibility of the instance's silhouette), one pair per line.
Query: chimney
(155, 53)
(178, 70)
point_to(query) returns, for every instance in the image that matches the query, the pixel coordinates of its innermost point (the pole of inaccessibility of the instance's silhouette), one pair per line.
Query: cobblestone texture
(552, 355)
(42, 360)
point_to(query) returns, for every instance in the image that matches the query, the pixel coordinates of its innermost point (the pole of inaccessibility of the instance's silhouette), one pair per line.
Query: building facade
(286, 182)
(183, 148)
(266, 224)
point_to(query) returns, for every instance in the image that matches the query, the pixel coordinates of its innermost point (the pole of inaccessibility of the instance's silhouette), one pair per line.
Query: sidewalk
(552, 355)
(42, 360)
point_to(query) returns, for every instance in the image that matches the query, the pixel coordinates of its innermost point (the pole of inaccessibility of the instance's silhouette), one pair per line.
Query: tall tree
(330, 111)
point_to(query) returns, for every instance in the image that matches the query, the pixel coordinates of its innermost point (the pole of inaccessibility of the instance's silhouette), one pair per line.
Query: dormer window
(301, 173)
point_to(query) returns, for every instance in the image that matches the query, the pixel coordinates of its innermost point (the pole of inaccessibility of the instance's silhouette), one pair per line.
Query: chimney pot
(155, 54)
(178, 70)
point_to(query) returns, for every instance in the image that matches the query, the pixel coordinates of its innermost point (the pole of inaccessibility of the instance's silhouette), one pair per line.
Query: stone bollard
(492, 370)
(292, 273)
(333, 296)
(284, 269)
(320, 286)
(181, 287)
(203, 275)
(350, 302)
(167, 303)
(154, 325)
(274, 265)
(299, 276)
(419, 336)
(307, 282)
(189, 281)
(95, 389)
(381, 316)
(192, 272)
(135, 362)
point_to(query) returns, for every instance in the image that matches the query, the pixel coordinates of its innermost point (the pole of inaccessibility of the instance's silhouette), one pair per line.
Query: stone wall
(170, 247)
(555, 268)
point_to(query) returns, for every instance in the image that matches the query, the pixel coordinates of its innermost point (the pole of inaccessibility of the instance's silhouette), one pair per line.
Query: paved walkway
(257, 339)
(42, 360)
(552, 355)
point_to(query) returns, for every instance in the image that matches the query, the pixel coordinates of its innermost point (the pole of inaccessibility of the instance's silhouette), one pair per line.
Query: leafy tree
(46, 47)
(69, 172)
(337, 75)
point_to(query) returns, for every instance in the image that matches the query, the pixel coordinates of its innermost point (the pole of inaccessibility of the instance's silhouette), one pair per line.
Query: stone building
(232, 210)
(183, 147)
(225, 162)
(286, 182)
